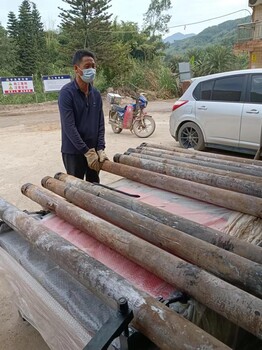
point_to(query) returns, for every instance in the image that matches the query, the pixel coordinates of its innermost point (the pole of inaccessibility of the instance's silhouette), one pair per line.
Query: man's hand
(102, 156)
(92, 159)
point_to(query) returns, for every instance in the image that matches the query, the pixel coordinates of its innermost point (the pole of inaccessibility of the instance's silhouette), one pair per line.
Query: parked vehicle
(220, 111)
(133, 116)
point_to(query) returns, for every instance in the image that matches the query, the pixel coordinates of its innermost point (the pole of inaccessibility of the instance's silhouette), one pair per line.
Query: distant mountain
(177, 36)
(222, 34)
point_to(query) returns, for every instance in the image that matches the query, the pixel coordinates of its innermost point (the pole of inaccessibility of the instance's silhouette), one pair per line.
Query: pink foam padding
(200, 212)
(135, 274)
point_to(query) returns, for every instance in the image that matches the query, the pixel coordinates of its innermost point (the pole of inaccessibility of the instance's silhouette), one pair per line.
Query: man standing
(82, 121)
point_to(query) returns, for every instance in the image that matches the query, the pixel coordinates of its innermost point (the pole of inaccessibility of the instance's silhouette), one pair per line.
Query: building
(250, 36)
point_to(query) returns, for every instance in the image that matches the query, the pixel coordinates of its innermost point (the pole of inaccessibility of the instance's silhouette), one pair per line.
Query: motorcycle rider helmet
(142, 101)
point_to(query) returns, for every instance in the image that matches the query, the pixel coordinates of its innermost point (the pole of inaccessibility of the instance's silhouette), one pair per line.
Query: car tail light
(178, 104)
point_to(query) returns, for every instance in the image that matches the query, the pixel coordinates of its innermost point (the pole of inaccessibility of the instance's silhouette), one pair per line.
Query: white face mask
(88, 75)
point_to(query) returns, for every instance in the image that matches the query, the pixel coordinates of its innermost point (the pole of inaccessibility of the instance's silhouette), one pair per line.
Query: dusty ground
(29, 150)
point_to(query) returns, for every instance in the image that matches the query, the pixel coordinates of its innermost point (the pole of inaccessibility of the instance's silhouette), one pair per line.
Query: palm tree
(218, 59)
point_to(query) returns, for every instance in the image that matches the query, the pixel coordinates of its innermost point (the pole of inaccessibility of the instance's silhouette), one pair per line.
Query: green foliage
(156, 19)
(223, 34)
(152, 77)
(27, 36)
(12, 25)
(141, 45)
(27, 56)
(101, 82)
(39, 41)
(213, 59)
(8, 60)
(86, 25)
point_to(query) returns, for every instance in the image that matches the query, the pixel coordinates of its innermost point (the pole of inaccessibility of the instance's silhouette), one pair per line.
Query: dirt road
(30, 149)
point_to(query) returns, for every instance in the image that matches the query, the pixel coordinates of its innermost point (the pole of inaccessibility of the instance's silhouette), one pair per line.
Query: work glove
(92, 159)
(102, 156)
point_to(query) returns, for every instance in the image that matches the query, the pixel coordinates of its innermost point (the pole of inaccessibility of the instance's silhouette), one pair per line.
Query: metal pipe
(224, 198)
(236, 305)
(191, 159)
(211, 179)
(251, 167)
(185, 165)
(160, 324)
(226, 265)
(215, 237)
(201, 153)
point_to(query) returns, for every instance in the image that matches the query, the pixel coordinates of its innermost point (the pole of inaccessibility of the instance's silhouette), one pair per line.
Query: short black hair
(79, 54)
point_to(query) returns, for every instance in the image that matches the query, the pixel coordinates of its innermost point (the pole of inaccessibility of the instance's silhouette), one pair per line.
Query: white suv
(220, 111)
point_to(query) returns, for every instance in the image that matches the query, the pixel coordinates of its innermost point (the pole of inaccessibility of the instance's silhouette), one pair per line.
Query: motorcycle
(133, 116)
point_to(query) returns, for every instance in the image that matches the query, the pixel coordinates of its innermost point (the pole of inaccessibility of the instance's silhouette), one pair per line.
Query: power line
(179, 25)
(207, 20)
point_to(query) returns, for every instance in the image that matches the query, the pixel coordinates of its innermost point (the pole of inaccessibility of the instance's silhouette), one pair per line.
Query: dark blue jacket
(82, 119)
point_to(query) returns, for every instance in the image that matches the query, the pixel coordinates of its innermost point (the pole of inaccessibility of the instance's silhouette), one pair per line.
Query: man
(82, 121)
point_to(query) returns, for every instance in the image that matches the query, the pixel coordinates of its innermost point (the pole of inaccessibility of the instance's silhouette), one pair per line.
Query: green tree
(12, 31)
(12, 25)
(8, 59)
(53, 50)
(156, 18)
(218, 59)
(87, 26)
(25, 44)
(142, 45)
(27, 35)
(39, 40)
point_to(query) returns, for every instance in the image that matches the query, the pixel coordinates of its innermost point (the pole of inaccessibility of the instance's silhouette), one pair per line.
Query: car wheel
(190, 135)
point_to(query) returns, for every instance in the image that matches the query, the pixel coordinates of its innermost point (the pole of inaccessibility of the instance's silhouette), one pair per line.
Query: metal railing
(249, 31)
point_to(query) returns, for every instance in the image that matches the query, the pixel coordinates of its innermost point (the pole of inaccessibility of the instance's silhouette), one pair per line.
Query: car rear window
(227, 89)
(203, 90)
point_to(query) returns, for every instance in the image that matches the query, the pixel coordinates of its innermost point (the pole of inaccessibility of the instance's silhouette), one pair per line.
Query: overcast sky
(183, 12)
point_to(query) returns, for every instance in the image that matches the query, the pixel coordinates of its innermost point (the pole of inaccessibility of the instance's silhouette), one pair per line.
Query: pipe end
(131, 150)
(117, 157)
(58, 175)
(44, 181)
(143, 144)
(25, 187)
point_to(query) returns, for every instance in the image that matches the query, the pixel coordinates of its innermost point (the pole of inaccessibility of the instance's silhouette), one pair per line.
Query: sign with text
(54, 83)
(17, 85)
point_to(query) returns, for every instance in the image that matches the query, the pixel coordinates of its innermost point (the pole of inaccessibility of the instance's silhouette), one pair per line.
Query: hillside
(177, 36)
(224, 33)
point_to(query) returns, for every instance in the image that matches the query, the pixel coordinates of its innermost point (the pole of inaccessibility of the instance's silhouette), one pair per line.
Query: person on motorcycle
(82, 121)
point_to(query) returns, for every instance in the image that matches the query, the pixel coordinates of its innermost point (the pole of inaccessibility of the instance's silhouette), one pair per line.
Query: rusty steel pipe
(160, 324)
(191, 159)
(201, 153)
(215, 237)
(231, 267)
(211, 179)
(257, 170)
(236, 305)
(178, 164)
(224, 198)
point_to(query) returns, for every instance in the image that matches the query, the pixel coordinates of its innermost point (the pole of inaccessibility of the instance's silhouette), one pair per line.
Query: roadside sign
(184, 71)
(54, 83)
(17, 85)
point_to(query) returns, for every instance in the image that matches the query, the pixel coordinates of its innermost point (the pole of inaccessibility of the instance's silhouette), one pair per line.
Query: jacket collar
(90, 86)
